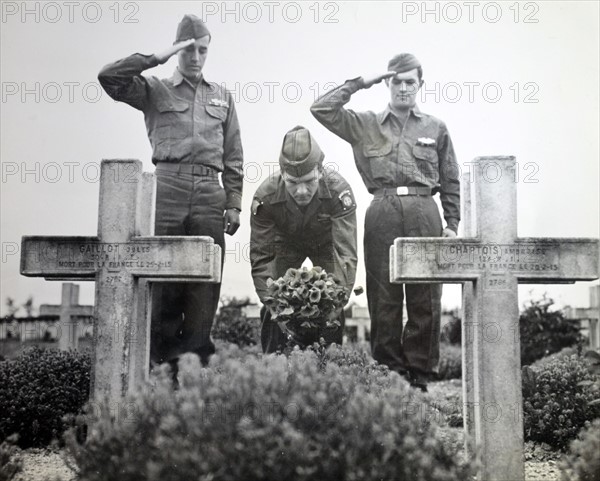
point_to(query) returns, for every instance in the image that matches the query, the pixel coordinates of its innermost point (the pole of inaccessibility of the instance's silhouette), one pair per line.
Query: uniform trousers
(416, 346)
(183, 313)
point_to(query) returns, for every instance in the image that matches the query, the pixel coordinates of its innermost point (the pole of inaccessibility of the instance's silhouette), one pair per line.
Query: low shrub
(37, 389)
(558, 401)
(544, 331)
(10, 459)
(450, 366)
(452, 331)
(270, 418)
(583, 462)
(232, 325)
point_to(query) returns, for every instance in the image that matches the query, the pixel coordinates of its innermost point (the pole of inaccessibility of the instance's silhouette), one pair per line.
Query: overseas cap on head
(403, 63)
(300, 153)
(191, 27)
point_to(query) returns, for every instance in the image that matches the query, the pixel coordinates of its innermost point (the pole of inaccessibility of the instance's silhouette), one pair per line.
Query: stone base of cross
(491, 265)
(122, 260)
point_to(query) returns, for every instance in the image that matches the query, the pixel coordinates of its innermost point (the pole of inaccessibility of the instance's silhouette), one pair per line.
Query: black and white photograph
(312, 240)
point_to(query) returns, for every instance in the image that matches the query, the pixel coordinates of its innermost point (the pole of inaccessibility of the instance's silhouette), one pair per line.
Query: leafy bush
(37, 389)
(545, 331)
(270, 418)
(450, 366)
(583, 463)
(10, 459)
(559, 401)
(452, 330)
(563, 353)
(232, 325)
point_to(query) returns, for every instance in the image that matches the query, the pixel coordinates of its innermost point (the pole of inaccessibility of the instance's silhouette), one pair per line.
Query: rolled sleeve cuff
(234, 201)
(452, 224)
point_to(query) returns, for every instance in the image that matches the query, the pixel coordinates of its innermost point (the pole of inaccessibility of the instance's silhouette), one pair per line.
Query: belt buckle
(402, 190)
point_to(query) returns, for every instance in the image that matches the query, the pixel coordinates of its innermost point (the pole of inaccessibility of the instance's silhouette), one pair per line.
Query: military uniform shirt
(186, 123)
(388, 155)
(281, 232)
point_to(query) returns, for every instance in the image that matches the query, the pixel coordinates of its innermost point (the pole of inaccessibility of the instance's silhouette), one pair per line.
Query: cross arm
(530, 260)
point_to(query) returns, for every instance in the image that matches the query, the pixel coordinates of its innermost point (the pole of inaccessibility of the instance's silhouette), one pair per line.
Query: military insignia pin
(425, 141)
(218, 102)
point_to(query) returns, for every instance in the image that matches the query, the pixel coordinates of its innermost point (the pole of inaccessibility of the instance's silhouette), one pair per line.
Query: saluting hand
(231, 221)
(165, 55)
(371, 80)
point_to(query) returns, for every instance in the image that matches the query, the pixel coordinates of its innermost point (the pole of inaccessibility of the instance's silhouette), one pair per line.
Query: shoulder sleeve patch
(346, 199)
(256, 203)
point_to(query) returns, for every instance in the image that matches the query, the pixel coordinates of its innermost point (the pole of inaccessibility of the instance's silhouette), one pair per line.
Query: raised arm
(329, 108)
(123, 81)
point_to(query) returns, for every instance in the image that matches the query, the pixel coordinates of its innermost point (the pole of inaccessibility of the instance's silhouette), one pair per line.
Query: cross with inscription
(121, 260)
(491, 265)
(68, 311)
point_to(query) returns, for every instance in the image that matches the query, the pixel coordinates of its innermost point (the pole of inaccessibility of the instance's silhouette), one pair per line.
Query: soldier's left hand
(231, 221)
(448, 233)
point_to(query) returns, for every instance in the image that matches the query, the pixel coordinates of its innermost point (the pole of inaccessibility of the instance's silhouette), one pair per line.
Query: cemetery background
(122, 134)
(493, 80)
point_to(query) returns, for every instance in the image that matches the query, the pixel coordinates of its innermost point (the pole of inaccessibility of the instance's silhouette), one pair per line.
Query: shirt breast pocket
(215, 119)
(427, 161)
(172, 121)
(380, 161)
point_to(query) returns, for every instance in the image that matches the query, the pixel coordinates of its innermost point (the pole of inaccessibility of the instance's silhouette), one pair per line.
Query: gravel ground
(44, 465)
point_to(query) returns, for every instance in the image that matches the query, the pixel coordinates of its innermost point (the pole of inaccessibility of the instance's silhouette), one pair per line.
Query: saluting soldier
(195, 136)
(404, 157)
(301, 211)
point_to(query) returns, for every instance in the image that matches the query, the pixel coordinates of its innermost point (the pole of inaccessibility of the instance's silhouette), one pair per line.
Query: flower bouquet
(306, 303)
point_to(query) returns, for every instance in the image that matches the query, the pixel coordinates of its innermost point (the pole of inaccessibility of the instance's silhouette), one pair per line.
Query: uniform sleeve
(344, 238)
(263, 233)
(233, 159)
(123, 81)
(449, 179)
(329, 110)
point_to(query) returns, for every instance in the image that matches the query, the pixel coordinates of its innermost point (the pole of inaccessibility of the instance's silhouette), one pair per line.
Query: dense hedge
(450, 366)
(326, 415)
(544, 330)
(10, 460)
(37, 389)
(558, 401)
(232, 325)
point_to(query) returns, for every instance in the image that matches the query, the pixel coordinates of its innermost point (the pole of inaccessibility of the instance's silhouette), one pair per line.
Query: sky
(508, 78)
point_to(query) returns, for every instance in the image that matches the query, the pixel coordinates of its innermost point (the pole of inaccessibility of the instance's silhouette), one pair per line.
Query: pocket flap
(216, 112)
(172, 105)
(377, 150)
(424, 153)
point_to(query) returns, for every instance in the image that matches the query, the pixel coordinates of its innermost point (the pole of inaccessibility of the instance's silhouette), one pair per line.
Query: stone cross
(122, 259)
(68, 311)
(491, 265)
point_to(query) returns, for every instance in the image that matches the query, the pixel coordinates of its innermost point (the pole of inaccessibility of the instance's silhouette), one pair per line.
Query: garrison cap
(403, 63)
(300, 153)
(191, 27)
